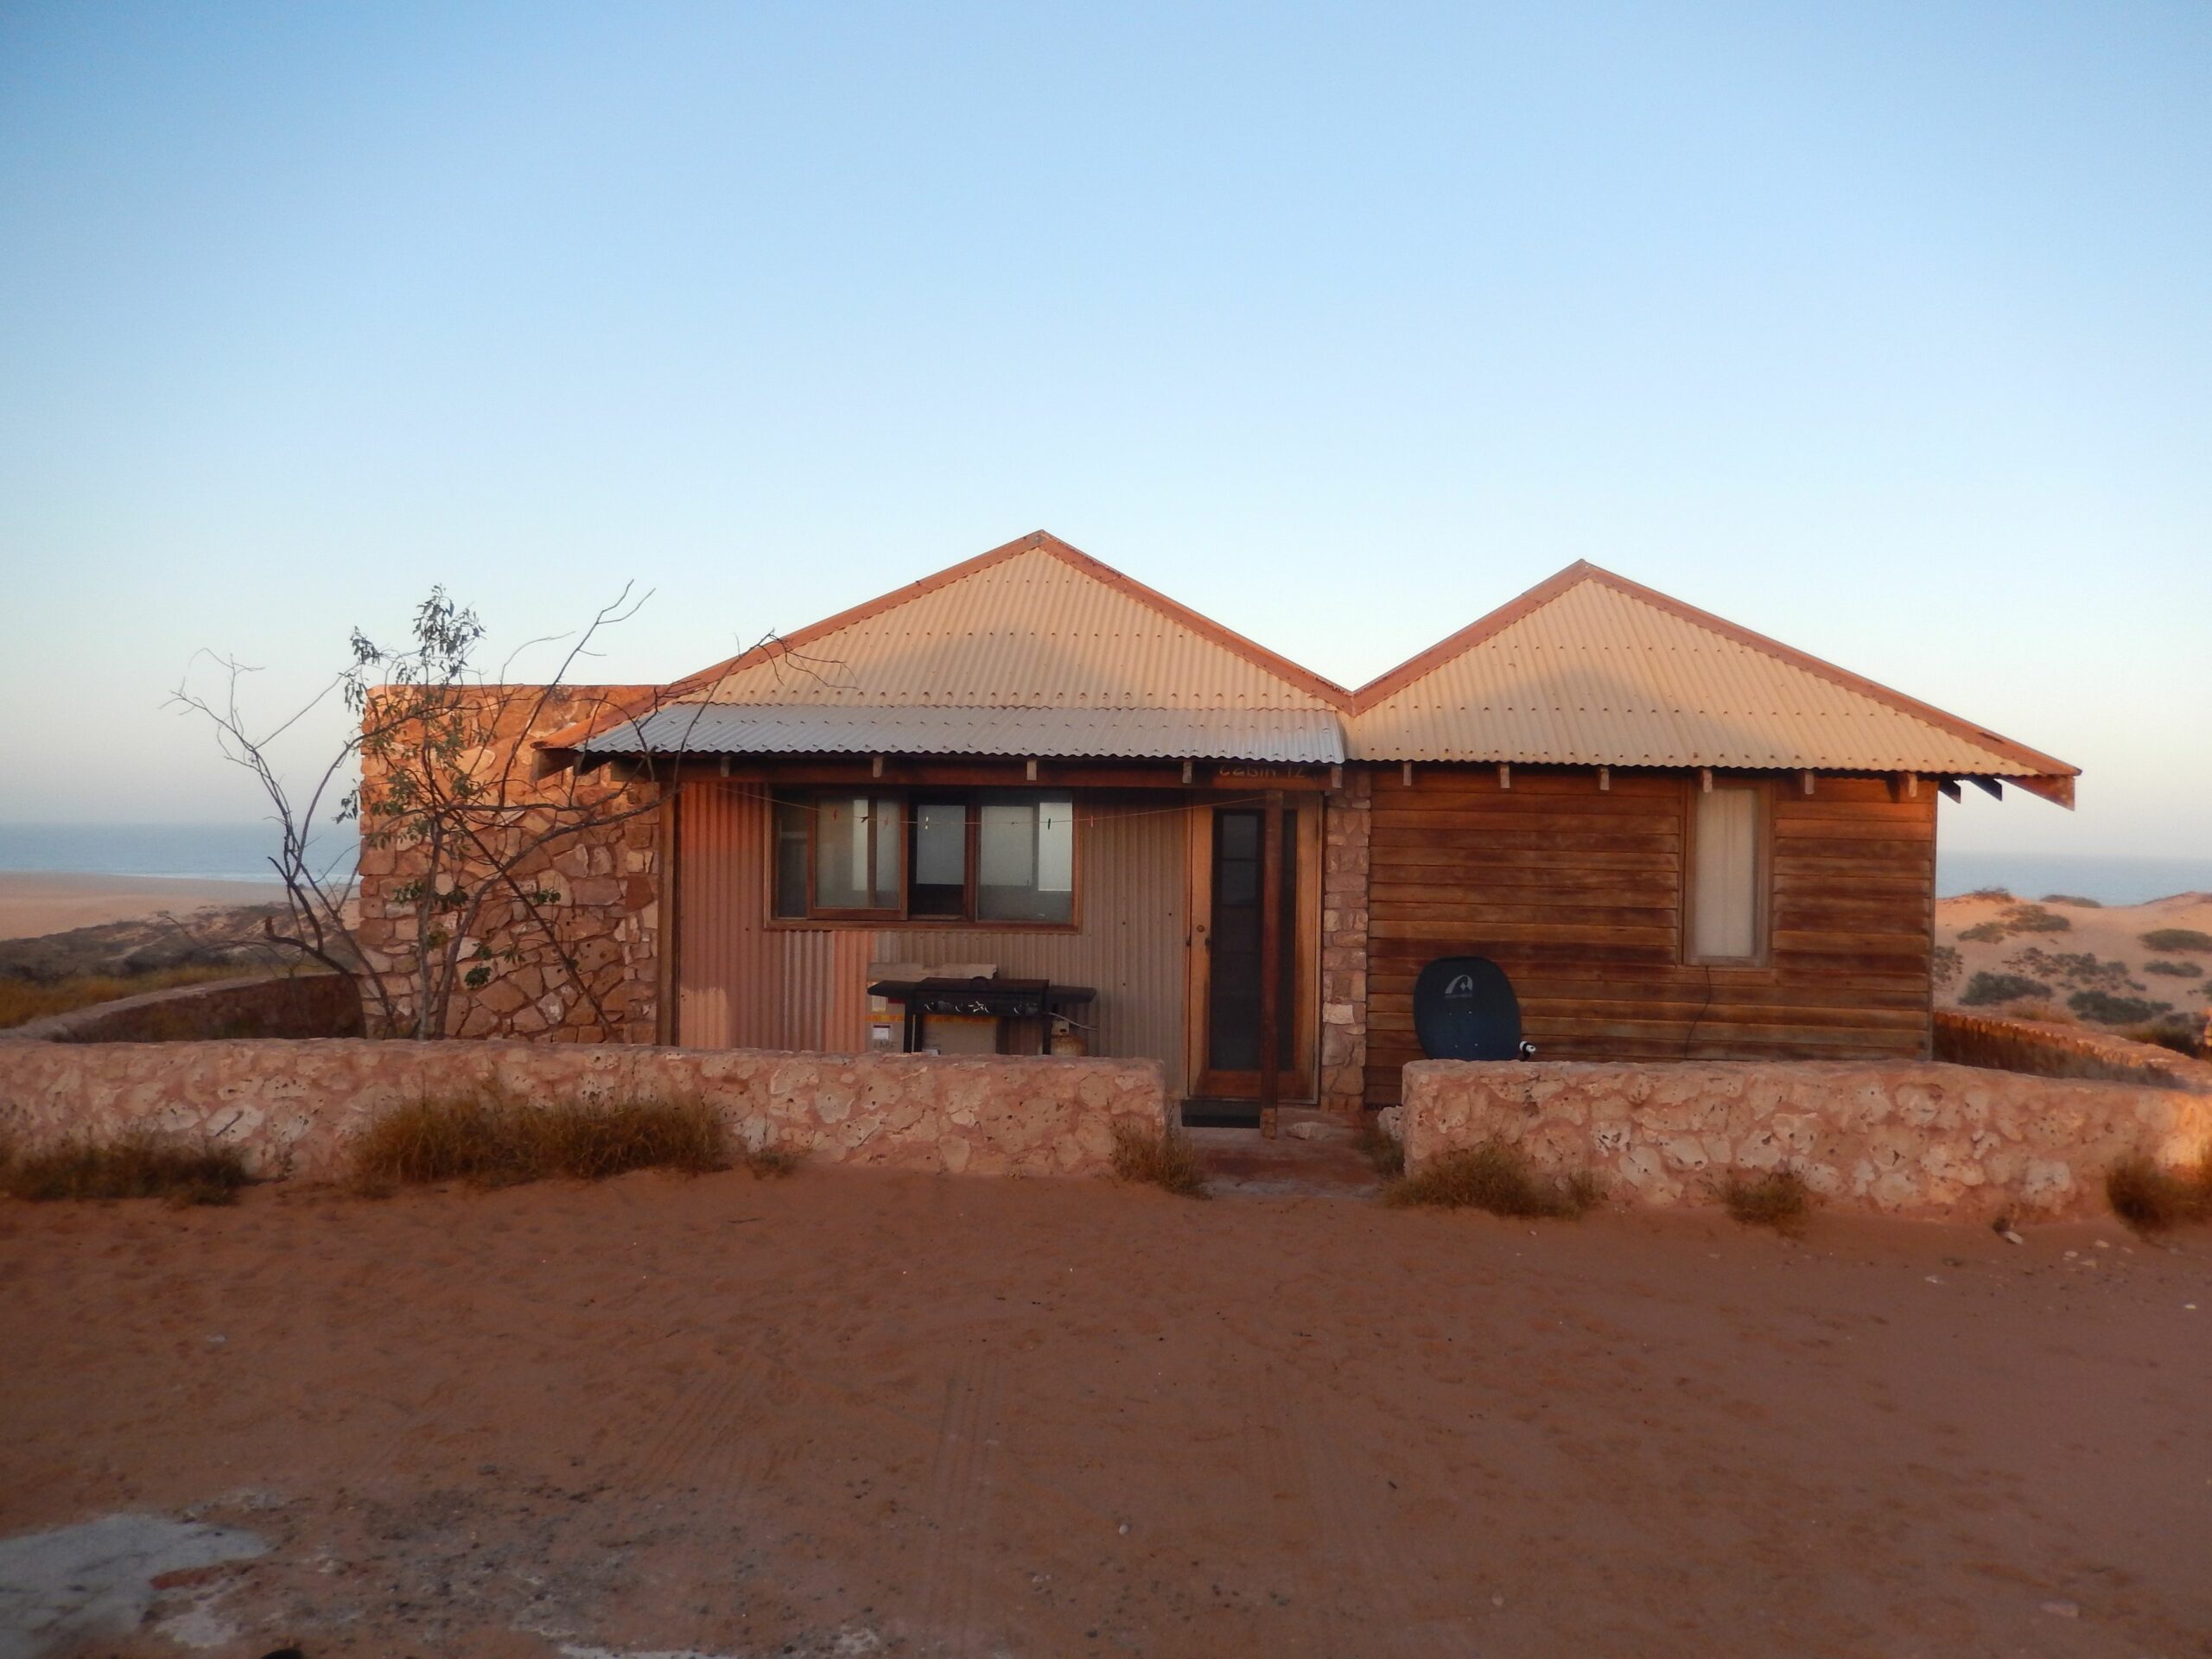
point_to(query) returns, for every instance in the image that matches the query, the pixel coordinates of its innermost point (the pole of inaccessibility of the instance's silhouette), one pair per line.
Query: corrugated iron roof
(1037, 649)
(1592, 669)
(1030, 630)
(1287, 736)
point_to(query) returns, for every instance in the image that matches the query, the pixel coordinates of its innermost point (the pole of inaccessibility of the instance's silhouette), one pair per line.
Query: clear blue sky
(1883, 329)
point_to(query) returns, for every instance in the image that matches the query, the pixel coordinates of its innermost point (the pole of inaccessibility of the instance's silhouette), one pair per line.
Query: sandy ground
(2111, 933)
(865, 1413)
(34, 903)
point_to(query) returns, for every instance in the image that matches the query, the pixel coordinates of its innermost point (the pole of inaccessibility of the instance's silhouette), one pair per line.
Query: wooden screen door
(1225, 977)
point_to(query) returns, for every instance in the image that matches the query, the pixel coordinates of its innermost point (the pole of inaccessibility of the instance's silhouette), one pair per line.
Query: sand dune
(33, 903)
(2092, 962)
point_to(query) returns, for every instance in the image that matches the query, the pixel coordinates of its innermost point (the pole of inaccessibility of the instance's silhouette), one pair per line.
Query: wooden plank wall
(1578, 894)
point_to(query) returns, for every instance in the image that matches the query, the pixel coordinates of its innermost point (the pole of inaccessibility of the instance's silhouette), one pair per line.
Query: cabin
(1029, 805)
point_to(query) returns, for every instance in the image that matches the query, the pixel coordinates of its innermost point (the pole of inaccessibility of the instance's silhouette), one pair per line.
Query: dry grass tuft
(136, 1166)
(1775, 1198)
(1496, 1177)
(2150, 1198)
(1164, 1158)
(1381, 1149)
(489, 1139)
(771, 1159)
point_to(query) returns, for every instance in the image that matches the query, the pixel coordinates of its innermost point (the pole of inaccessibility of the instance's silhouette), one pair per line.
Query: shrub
(1381, 1149)
(2047, 1012)
(1982, 933)
(2177, 938)
(1985, 989)
(1163, 1157)
(2082, 969)
(1777, 1197)
(2149, 1197)
(1943, 964)
(136, 1166)
(2034, 918)
(490, 1140)
(2175, 1031)
(2075, 900)
(2176, 970)
(1498, 1178)
(2106, 1009)
(2002, 895)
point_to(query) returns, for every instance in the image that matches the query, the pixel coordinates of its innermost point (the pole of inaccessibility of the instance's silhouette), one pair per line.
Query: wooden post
(1270, 960)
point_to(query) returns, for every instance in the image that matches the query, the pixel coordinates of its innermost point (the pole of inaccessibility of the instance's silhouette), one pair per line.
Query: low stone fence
(2061, 1051)
(292, 1005)
(1908, 1139)
(292, 1107)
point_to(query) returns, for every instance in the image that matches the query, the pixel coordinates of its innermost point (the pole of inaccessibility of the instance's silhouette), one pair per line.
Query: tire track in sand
(957, 1506)
(701, 1445)
(1298, 1460)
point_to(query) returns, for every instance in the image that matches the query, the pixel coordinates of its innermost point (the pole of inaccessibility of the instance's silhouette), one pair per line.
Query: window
(1727, 912)
(994, 857)
(855, 853)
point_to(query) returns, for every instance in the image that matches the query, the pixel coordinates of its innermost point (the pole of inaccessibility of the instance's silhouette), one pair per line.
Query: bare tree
(439, 772)
(444, 778)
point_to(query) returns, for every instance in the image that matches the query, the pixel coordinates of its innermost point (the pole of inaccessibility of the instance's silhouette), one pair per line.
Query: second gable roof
(1591, 669)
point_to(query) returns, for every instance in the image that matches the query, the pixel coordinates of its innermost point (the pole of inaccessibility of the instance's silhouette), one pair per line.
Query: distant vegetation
(2175, 1031)
(2177, 938)
(24, 999)
(2018, 918)
(2082, 969)
(1943, 964)
(2178, 969)
(1999, 895)
(2109, 1010)
(2075, 900)
(1985, 989)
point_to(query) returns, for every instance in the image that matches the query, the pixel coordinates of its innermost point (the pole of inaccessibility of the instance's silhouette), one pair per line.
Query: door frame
(1297, 1083)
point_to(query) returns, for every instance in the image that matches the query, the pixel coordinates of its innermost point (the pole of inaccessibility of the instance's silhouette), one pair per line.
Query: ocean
(204, 852)
(239, 852)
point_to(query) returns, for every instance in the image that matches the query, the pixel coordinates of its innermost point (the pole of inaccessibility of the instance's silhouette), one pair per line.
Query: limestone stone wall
(571, 949)
(1901, 1138)
(2064, 1052)
(1345, 821)
(292, 1107)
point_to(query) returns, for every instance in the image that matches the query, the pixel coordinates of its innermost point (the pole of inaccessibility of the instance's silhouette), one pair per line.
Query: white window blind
(1725, 880)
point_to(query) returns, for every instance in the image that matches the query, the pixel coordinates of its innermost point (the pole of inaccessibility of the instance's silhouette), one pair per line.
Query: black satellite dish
(1464, 1009)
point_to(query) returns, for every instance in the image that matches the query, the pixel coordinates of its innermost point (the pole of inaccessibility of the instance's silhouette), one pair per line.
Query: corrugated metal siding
(1130, 944)
(1598, 677)
(740, 983)
(1027, 631)
(1291, 736)
(743, 984)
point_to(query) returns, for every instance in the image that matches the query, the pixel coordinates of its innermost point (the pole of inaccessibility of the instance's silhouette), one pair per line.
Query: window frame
(1762, 793)
(809, 796)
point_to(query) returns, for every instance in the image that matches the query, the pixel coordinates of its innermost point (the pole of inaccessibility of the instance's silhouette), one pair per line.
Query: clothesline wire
(906, 819)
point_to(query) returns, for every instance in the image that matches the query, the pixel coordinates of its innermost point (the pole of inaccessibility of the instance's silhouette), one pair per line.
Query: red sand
(900, 1415)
